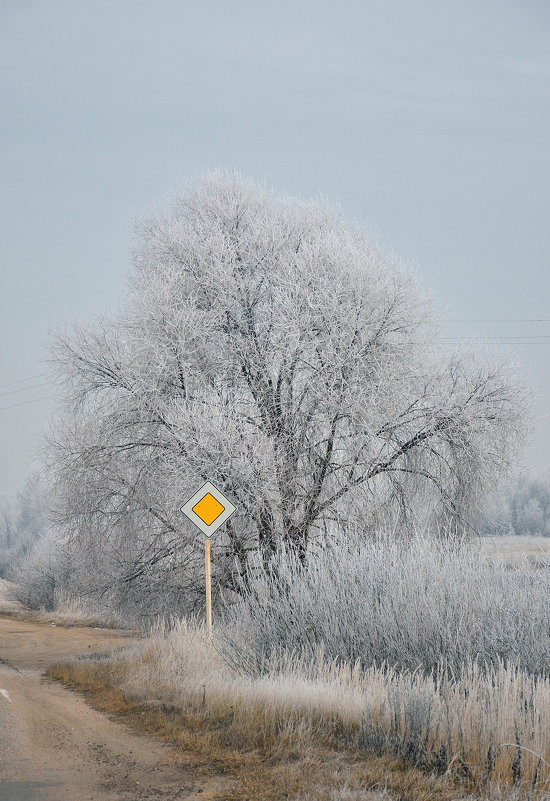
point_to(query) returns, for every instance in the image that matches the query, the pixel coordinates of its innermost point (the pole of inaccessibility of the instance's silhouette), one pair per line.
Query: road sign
(208, 509)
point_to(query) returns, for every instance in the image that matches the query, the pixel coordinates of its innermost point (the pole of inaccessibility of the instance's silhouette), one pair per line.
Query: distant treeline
(22, 525)
(524, 510)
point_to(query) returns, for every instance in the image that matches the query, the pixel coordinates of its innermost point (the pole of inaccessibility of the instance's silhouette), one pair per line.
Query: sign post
(208, 509)
(208, 577)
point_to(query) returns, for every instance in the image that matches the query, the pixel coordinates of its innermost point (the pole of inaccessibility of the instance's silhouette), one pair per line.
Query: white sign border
(187, 509)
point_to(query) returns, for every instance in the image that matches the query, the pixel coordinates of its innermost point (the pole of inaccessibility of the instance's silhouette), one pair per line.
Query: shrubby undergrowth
(409, 604)
(41, 575)
(57, 576)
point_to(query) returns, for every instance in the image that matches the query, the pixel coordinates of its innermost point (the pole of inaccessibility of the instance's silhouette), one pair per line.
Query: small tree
(23, 523)
(530, 506)
(269, 347)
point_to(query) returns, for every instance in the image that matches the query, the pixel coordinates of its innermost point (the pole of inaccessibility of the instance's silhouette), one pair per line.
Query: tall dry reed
(490, 726)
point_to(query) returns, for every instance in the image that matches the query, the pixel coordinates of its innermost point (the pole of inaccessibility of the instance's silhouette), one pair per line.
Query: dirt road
(54, 747)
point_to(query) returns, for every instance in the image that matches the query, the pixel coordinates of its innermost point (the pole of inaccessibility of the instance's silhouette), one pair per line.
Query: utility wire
(22, 380)
(492, 342)
(25, 389)
(510, 339)
(501, 336)
(25, 403)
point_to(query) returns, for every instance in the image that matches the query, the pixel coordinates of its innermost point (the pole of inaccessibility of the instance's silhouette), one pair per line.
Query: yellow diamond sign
(208, 508)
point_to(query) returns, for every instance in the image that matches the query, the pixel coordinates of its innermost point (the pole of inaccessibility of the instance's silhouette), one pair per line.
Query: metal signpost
(208, 509)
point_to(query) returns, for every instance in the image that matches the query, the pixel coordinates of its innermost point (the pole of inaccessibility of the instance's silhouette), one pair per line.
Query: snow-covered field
(513, 549)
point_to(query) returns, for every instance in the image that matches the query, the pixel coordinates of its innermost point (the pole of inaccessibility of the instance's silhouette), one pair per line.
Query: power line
(510, 339)
(25, 389)
(25, 403)
(491, 342)
(526, 320)
(504, 340)
(22, 380)
(501, 336)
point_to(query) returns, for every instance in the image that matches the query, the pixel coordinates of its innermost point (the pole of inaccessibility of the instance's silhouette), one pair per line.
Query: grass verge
(66, 620)
(271, 752)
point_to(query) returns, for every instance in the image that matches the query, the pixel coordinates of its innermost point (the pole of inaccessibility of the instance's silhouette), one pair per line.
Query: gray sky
(428, 120)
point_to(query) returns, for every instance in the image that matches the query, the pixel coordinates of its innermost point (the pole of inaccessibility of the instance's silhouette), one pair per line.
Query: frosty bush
(407, 604)
(22, 523)
(57, 575)
(41, 574)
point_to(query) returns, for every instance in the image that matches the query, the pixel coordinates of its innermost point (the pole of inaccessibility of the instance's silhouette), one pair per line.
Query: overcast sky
(428, 120)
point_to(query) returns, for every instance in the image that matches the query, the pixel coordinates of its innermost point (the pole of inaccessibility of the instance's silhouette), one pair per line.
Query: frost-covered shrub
(409, 604)
(41, 574)
(22, 523)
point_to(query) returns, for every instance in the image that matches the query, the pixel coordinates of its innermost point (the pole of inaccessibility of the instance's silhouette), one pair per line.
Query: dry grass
(269, 760)
(326, 731)
(66, 619)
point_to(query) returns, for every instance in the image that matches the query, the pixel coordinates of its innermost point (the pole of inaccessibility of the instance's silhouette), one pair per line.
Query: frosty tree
(271, 348)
